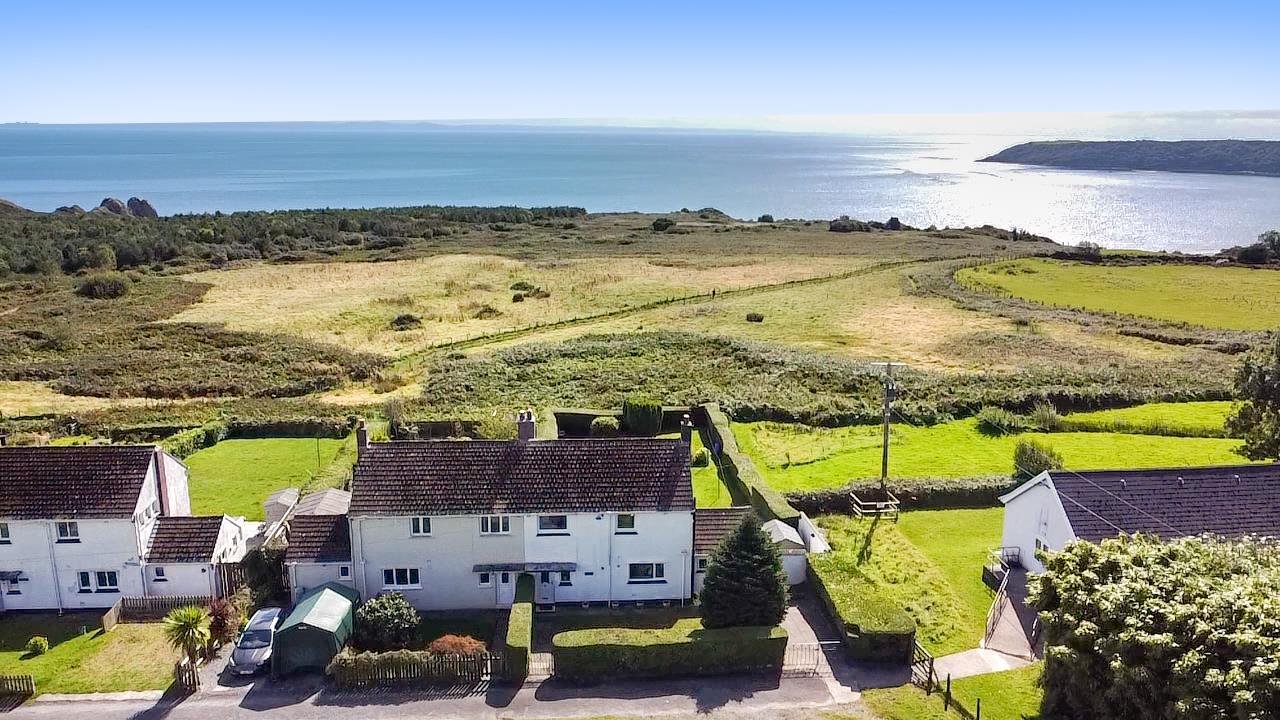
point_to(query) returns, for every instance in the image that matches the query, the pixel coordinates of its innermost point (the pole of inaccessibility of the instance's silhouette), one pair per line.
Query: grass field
(235, 476)
(1010, 695)
(1217, 297)
(708, 490)
(798, 458)
(1171, 418)
(130, 657)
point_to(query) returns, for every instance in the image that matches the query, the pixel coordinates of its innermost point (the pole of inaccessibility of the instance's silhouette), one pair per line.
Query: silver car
(253, 647)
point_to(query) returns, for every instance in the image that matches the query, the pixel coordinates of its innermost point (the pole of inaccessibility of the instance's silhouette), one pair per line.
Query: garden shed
(316, 630)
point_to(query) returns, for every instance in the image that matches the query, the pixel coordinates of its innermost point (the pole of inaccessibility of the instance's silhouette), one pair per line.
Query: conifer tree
(745, 584)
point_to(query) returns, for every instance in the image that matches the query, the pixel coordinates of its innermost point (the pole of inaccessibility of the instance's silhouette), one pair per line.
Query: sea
(922, 179)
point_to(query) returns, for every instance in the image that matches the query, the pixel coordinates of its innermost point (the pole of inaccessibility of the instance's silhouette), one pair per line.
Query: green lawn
(1217, 297)
(708, 490)
(1190, 418)
(130, 657)
(235, 476)
(1010, 695)
(798, 458)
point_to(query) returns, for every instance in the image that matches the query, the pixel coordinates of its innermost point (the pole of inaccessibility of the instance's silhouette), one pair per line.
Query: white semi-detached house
(452, 524)
(79, 524)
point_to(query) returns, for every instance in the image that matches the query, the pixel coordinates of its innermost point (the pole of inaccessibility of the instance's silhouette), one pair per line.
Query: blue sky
(263, 60)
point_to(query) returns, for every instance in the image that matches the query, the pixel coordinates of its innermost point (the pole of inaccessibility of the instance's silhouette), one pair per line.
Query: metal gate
(806, 659)
(541, 666)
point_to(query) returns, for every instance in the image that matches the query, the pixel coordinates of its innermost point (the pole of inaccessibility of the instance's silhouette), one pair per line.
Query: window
(626, 524)
(544, 577)
(553, 524)
(702, 564)
(1041, 545)
(420, 526)
(158, 574)
(647, 573)
(495, 524)
(4, 534)
(566, 577)
(86, 582)
(68, 532)
(400, 578)
(11, 587)
(486, 579)
(344, 571)
(505, 578)
(106, 581)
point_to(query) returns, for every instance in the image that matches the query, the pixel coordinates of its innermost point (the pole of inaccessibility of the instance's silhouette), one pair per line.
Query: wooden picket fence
(141, 609)
(17, 685)
(417, 668)
(186, 675)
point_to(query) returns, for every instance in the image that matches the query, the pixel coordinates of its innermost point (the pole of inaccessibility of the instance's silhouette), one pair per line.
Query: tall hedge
(1138, 629)
(680, 651)
(739, 473)
(520, 629)
(874, 629)
(642, 414)
(188, 442)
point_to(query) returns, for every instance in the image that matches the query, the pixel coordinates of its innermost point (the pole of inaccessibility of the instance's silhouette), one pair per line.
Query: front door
(506, 589)
(546, 594)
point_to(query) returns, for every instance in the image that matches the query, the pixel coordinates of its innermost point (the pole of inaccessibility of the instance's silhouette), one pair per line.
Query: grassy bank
(235, 476)
(1217, 297)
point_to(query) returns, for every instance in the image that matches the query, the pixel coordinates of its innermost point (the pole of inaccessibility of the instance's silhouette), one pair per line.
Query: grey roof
(325, 502)
(450, 477)
(184, 539)
(318, 539)
(1228, 501)
(86, 481)
(712, 525)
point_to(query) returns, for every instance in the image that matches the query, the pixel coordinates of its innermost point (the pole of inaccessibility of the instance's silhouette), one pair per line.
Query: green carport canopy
(316, 630)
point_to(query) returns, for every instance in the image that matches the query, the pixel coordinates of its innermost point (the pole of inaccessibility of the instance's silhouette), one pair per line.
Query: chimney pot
(686, 430)
(526, 425)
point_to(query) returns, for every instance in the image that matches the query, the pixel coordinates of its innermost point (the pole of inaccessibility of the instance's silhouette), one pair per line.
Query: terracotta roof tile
(90, 481)
(184, 539)
(446, 477)
(318, 538)
(1228, 501)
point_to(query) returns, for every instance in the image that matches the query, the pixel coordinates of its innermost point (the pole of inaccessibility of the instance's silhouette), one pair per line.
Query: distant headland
(1230, 157)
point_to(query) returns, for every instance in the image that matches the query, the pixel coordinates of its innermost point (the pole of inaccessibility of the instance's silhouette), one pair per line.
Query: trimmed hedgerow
(739, 473)
(520, 629)
(874, 628)
(681, 650)
(914, 493)
(187, 442)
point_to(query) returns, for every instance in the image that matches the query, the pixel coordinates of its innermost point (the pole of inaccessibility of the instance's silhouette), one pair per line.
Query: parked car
(253, 647)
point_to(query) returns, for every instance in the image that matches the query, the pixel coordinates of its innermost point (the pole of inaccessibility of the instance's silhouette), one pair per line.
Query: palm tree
(187, 630)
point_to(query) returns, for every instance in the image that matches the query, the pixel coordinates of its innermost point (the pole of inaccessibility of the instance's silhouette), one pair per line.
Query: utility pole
(890, 394)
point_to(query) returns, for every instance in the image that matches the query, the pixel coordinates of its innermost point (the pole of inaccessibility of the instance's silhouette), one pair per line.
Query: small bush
(755, 317)
(522, 286)
(1045, 417)
(518, 297)
(456, 645)
(663, 224)
(996, 421)
(766, 218)
(224, 620)
(499, 426)
(641, 414)
(406, 321)
(37, 645)
(1031, 458)
(104, 286)
(604, 427)
(386, 622)
(702, 458)
(483, 312)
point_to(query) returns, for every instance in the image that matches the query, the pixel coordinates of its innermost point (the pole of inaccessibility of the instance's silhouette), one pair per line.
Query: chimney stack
(686, 430)
(526, 425)
(362, 438)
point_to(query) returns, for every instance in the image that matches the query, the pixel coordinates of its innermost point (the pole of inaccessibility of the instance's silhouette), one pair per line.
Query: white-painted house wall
(304, 576)
(446, 559)
(1034, 517)
(199, 578)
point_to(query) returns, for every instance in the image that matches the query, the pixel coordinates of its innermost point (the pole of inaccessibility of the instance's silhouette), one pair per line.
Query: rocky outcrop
(141, 208)
(69, 210)
(115, 206)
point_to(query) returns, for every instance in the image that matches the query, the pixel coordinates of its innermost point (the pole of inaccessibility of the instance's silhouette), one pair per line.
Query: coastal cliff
(1234, 157)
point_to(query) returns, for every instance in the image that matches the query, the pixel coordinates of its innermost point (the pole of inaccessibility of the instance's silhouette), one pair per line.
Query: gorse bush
(104, 286)
(37, 645)
(387, 622)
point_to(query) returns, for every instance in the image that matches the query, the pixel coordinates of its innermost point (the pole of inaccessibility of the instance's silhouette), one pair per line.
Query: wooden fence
(186, 675)
(416, 668)
(142, 609)
(17, 685)
(111, 617)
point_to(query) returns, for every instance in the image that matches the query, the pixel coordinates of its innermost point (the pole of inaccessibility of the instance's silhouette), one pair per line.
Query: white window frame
(488, 522)
(620, 529)
(157, 573)
(11, 587)
(68, 531)
(344, 571)
(553, 530)
(409, 574)
(485, 580)
(98, 582)
(420, 526)
(566, 578)
(702, 563)
(84, 581)
(5, 539)
(657, 573)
